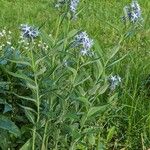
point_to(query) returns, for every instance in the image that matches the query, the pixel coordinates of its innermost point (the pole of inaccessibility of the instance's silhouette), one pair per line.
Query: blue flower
(83, 40)
(132, 12)
(29, 31)
(136, 11)
(73, 6)
(114, 81)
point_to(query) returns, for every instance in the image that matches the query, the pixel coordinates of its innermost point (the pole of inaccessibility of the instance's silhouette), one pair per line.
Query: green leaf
(88, 63)
(100, 146)
(84, 100)
(21, 76)
(31, 86)
(98, 69)
(97, 109)
(27, 145)
(19, 62)
(92, 111)
(103, 89)
(82, 91)
(30, 116)
(117, 61)
(7, 108)
(25, 98)
(98, 50)
(41, 71)
(73, 71)
(83, 120)
(72, 33)
(98, 88)
(111, 99)
(94, 89)
(91, 139)
(112, 53)
(111, 133)
(28, 108)
(80, 82)
(39, 60)
(10, 126)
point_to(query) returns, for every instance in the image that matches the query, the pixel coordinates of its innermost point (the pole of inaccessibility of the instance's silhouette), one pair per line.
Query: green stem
(37, 98)
(37, 87)
(34, 137)
(66, 35)
(57, 30)
(44, 137)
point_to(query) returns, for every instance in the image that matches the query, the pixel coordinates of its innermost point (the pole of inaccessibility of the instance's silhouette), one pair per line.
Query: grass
(73, 118)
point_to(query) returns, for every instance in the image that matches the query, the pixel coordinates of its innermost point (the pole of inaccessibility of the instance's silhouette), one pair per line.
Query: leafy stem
(34, 68)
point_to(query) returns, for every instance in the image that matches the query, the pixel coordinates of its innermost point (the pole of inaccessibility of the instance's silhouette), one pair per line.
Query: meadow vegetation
(74, 77)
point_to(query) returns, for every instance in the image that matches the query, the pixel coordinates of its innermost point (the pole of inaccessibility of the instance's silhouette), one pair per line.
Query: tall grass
(53, 97)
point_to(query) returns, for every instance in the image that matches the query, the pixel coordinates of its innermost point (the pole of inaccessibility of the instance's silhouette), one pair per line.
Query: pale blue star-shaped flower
(132, 12)
(29, 31)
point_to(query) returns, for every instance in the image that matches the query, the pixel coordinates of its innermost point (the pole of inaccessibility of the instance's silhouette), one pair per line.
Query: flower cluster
(83, 40)
(114, 82)
(132, 12)
(29, 32)
(5, 38)
(3, 33)
(43, 45)
(73, 6)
